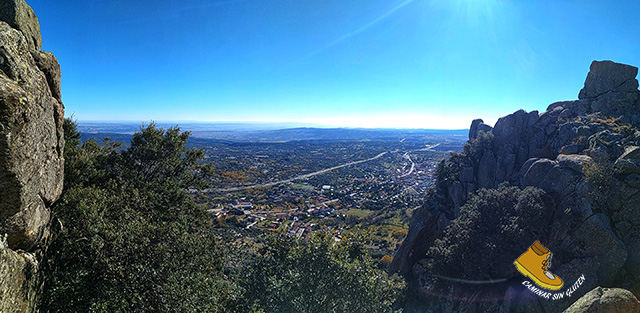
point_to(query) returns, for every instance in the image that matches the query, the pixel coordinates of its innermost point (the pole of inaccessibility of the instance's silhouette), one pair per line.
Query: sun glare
(475, 13)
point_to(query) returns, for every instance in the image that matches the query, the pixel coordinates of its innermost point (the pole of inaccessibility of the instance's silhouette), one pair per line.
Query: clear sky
(361, 63)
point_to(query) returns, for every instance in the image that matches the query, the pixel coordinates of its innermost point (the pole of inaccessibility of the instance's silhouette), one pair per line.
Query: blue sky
(359, 63)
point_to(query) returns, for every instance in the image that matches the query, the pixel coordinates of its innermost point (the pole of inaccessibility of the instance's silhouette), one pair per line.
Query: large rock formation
(584, 154)
(606, 300)
(19, 15)
(31, 147)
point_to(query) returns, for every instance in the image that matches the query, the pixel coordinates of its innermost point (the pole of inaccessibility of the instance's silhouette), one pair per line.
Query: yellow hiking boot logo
(535, 263)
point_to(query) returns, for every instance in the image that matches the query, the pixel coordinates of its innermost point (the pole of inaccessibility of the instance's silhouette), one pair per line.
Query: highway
(299, 177)
(305, 176)
(413, 165)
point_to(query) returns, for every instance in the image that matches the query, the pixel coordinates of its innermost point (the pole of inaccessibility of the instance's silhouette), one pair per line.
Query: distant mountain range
(265, 132)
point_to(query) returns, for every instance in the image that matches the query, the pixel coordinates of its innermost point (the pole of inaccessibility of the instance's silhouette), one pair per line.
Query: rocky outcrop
(19, 15)
(584, 154)
(476, 126)
(31, 147)
(606, 300)
(18, 287)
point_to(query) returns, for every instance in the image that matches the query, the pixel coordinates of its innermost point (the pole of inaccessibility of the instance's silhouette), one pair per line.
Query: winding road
(413, 165)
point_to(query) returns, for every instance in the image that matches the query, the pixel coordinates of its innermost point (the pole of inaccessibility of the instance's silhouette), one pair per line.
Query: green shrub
(318, 276)
(131, 240)
(495, 226)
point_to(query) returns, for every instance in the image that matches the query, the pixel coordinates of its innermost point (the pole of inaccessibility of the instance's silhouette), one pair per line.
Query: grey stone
(569, 109)
(597, 150)
(560, 181)
(31, 148)
(487, 170)
(424, 227)
(458, 196)
(609, 136)
(533, 117)
(606, 300)
(584, 131)
(633, 180)
(610, 251)
(554, 105)
(616, 104)
(570, 273)
(629, 161)
(570, 149)
(525, 167)
(516, 136)
(466, 174)
(19, 15)
(508, 130)
(628, 166)
(574, 162)
(17, 288)
(473, 130)
(48, 64)
(537, 172)
(631, 152)
(632, 241)
(505, 166)
(606, 76)
(476, 126)
(31, 143)
(485, 128)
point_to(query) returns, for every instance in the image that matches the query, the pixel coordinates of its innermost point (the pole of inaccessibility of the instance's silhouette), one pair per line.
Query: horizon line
(300, 124)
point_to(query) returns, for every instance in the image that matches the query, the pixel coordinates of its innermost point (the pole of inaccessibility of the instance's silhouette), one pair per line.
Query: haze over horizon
(433, 64)
(263, 125)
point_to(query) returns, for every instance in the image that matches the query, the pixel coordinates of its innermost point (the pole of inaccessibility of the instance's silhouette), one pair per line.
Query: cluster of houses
(296, 205)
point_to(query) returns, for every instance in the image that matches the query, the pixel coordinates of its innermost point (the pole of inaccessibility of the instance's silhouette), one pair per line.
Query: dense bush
(495, 226)
(318, 276)
(129, 237)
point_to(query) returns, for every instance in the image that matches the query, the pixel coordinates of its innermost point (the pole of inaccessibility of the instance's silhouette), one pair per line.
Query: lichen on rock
(601, 300)
(31, 161)
(31, 153)
(19, 15)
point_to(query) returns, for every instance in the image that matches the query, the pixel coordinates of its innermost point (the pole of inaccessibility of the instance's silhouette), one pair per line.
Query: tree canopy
(128, 238)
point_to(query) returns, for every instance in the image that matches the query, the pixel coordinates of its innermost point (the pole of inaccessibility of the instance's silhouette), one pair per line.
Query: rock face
(31, 148)
(19, 15)
(18, 288)
(584, 154)
(606, 76)
(606, 300)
